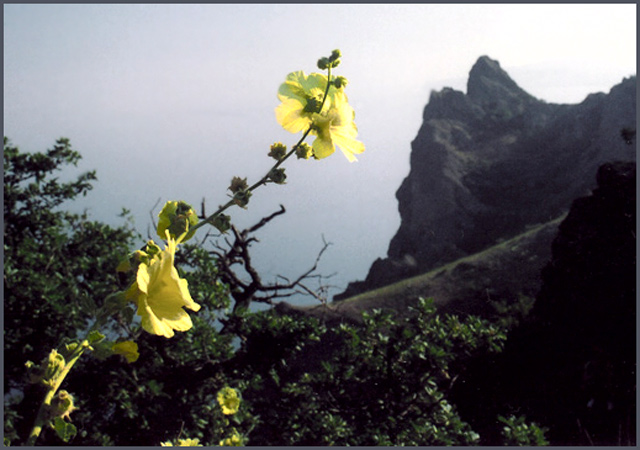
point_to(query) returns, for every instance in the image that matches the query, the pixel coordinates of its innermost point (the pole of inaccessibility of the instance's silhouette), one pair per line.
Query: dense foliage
(385, 381)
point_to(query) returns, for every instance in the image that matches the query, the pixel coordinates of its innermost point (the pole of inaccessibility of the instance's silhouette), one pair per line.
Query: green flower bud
(241, 198)
(177, 217)
(304, 151)
(222, 222)
(70, 348)
(277, 176)
(62, 405)
(340, 82)
(278, 151)
(238, 184)
(50, 367)
(323, 63)
(335, 55)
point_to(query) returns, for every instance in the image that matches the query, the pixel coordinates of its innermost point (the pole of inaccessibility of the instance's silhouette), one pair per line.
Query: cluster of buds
(332, 61)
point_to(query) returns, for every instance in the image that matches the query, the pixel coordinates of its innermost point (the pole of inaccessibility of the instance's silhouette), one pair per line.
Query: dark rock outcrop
(487, 164)
(572, 366)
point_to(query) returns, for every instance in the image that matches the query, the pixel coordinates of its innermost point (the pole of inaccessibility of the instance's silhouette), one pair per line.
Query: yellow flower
(183, 443)
(128, 349)
(336, 128)
(233, 441)
(301, 98)
(161, 294)
(229, 400)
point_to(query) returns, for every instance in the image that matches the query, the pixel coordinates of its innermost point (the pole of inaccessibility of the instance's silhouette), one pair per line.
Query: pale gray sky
(171, 101)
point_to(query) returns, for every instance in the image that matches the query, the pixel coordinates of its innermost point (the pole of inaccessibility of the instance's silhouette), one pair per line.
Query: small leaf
(65, 430)
(95, 336)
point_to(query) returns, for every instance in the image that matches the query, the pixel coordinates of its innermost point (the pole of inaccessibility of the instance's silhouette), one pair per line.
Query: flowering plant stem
(265, 178)
(52, 387)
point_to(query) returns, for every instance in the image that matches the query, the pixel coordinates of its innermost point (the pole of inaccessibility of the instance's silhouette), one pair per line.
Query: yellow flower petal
(162, 294)
(289, 116)
(128, 349)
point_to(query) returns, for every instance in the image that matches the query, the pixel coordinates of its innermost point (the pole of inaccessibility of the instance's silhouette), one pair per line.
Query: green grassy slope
(468, 285)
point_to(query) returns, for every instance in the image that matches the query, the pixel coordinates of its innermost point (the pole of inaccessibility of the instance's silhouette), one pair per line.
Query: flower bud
(177, 217)
(238, 184)
(277, 176)
(241, 198)
(340, 82)
(222, 222)
(323, 63)
(62, 405)
(304, 151)
(335, 55)
(278, 151)
(52, 365)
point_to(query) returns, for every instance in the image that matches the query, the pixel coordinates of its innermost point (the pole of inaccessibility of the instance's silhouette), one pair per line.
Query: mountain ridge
(487, 164)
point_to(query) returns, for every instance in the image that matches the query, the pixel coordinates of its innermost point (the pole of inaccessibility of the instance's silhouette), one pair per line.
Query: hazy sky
(170, 101)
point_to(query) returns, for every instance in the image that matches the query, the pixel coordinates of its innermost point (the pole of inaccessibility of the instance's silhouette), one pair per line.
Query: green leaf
(95, 336)
(65, 430)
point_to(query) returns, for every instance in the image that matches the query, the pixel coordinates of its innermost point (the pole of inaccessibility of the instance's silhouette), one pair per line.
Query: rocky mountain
(491, 163)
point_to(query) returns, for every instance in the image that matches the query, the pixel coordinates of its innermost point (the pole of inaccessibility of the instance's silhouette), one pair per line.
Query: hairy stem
(54, 384)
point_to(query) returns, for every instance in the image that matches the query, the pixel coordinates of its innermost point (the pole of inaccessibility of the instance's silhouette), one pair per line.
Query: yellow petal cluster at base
(161, 294)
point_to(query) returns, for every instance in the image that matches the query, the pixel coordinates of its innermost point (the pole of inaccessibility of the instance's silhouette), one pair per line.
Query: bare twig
(244, 291)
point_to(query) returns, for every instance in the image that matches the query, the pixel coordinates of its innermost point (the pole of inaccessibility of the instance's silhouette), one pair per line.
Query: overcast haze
(171, 101)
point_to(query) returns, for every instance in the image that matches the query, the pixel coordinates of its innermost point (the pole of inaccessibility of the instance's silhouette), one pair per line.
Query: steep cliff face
(487, 164)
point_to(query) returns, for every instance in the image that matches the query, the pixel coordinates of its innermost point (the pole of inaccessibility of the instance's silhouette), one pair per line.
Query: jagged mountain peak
(488, 81)
(487, 164)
